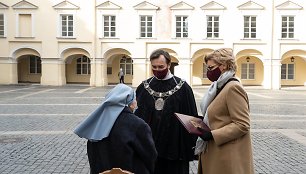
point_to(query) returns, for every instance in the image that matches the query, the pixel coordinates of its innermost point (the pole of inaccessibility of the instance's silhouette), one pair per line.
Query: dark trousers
(121, 79)
(165, 166)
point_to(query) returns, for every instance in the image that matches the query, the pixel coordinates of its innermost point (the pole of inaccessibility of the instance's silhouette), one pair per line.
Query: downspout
(95, 44)
(272, 45)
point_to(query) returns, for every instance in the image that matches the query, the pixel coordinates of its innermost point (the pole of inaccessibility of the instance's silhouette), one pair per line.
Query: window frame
(213, 27)
(146, 26)
(249, 27)
(248, 71)
(109, 27)
(204, 73)
(287, 28)
(287, 70)
(124, 65)
(36, 64)
(61, 25)
(81, 63)
(181, 32)
(4, 26)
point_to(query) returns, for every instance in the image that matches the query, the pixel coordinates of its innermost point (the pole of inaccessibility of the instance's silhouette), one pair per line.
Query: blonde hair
(223, 56)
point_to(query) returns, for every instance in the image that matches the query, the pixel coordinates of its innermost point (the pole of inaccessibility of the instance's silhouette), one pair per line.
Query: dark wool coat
(129, 146)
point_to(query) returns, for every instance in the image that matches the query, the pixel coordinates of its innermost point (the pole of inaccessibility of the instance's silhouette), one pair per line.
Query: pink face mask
(214, 74)
(161, 74)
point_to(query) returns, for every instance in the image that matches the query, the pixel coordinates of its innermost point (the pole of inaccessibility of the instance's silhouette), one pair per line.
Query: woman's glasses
(212, 67)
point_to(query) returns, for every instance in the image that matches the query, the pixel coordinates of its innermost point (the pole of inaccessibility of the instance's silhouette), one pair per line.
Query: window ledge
(182, 38)
(115, 38)
(250, 39)
(213, 39)
(286, 39)
(65, 37)
(20, 37)
(149, 38)
(2, 37)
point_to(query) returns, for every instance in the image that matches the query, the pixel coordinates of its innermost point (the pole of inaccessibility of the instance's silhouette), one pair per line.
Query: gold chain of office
(160, 102)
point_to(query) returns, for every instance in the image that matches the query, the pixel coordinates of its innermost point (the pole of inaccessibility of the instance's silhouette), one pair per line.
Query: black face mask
(213, 75)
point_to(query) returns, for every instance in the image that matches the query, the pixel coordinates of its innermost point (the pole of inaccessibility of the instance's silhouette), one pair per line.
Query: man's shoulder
(141, 85)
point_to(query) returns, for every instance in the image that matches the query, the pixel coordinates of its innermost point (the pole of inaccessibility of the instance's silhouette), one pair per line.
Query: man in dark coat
(158, 98)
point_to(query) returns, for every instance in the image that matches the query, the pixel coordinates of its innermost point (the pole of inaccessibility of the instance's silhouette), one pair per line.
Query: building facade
(55, 42)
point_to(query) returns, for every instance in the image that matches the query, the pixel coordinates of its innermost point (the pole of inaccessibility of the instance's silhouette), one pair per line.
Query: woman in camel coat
(227, 148)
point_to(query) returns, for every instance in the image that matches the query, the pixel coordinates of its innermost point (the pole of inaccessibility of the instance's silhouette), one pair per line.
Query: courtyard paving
(36, 124)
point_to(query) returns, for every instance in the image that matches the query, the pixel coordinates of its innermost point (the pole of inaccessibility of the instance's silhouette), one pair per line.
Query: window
(204, 70)
(287, 71)
(83, 65)
(109, 26)
(25, 25)
(109, 70)
(35, 65)
(249, 27)
(67, 25)
(127, 65)
(146, 26)
(287, 27)
(212, 26)
(181, 26)
(1, 25)
(248, 71)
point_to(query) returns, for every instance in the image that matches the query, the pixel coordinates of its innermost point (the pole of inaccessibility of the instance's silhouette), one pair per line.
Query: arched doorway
(293, 68)
(78, 69)
(199, 67)
(119, 58)
(250, 68)
(28, 65)
(77, 65)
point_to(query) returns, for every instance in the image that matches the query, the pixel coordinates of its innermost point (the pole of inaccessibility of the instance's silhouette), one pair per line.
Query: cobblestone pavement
(36, 123)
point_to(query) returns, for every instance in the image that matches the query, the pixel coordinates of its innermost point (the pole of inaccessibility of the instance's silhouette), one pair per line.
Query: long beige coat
(231, 150)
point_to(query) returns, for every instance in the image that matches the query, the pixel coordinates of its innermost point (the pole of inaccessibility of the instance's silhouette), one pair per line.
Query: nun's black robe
(129, 146)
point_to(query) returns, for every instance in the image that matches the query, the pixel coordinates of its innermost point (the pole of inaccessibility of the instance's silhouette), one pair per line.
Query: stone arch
(250, 67)
(77, 71)
(28, 67)
(249, 52)
(74, 51)
(293, 68)
(198, 67)
(24, 51)
(117, 58)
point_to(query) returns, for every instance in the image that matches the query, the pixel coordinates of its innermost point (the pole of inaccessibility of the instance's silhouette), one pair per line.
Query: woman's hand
(206, 135)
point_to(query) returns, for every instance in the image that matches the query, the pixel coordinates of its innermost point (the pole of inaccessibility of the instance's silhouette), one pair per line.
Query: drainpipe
(272, 45)
(95, 44)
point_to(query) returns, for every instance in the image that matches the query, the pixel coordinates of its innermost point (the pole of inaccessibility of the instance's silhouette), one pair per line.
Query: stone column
(140, 71)
(276, 74)
(53, 72)
(183, 70)
(267, 79)
(8, 71)
(101, 72)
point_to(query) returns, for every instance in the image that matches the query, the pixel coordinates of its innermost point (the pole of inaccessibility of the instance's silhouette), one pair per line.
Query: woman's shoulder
(235, 87)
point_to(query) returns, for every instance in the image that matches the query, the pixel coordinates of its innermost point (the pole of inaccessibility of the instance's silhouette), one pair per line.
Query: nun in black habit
(116, 137)
(158, 98)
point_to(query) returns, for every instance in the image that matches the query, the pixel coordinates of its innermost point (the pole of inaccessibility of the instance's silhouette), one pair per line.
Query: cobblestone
(36, 137)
